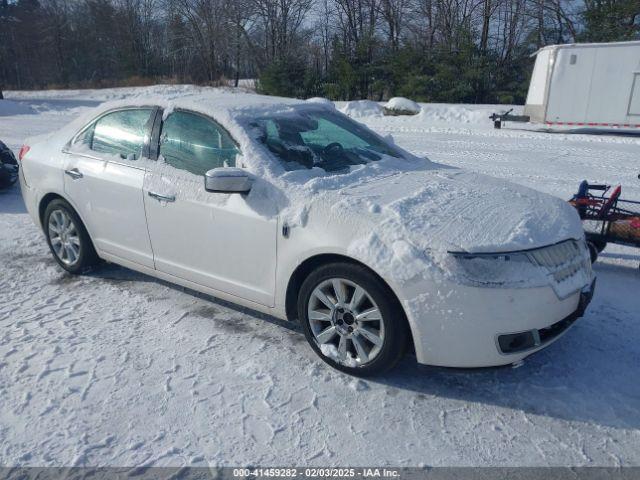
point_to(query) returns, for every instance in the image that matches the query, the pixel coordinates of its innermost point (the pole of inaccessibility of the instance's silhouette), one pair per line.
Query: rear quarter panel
(42, 170)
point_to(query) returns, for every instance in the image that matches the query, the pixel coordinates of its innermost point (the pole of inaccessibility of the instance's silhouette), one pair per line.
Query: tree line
(475, 51)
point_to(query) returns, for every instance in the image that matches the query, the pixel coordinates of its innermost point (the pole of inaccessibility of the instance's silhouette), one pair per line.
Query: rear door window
(122, 133)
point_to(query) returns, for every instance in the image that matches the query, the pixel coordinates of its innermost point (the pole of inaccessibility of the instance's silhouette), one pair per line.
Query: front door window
(196, 144)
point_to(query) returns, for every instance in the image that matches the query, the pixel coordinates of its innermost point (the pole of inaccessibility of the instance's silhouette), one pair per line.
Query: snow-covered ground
(116, 368)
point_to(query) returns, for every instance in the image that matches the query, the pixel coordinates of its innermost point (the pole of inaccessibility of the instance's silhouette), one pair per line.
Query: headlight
(498, 270)
(565, 266)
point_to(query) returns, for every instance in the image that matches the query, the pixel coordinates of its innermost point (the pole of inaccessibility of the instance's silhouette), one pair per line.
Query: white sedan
(293, 209)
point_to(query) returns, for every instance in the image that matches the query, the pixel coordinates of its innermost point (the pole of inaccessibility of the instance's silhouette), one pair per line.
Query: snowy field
(117, 368)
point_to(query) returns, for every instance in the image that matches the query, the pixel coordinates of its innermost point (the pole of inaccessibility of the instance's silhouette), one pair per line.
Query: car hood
(456, 210)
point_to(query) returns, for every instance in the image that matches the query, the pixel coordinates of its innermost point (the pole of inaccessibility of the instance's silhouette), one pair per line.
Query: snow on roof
(222, 105)
(321, 100)
(237, 112)
(212, 103)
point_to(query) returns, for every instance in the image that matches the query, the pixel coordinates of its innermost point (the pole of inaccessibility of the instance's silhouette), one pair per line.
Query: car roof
(213, 103)
(226, 107)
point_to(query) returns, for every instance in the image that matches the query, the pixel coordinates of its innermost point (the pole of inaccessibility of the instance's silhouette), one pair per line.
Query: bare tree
(541, 40)
(239, 18)
(205, 20)
(566, 16)
(422, 24)
(325, 30)
(455, 21)
(281, 22)
(489, 8)
(394, 13)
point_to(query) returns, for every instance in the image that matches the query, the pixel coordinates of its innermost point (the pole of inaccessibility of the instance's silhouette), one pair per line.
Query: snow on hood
(418, 217)
(456, 210)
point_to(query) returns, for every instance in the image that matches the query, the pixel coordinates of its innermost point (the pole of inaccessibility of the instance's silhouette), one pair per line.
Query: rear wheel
(351, 319)
(67, 238)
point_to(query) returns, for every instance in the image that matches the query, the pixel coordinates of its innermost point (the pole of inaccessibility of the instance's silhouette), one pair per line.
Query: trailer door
(570, 87)
(612, 85)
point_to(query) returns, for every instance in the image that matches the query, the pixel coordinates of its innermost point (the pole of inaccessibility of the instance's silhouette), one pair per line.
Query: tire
(70, 245)
(8, 177)
(599, 244)
(362, 342)
(593, 251)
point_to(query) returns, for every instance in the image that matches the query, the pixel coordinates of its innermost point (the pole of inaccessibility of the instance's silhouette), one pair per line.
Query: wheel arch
(305, 268)
(50, 197)
(45, 201)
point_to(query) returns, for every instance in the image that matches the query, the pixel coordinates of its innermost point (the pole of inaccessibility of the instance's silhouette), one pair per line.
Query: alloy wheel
(346, 323)
(64, 237)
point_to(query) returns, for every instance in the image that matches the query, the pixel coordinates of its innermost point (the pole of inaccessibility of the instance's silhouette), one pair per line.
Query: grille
(567, 263)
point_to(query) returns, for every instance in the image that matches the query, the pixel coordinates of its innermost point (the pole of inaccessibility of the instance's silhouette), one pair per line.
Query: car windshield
(320, 138)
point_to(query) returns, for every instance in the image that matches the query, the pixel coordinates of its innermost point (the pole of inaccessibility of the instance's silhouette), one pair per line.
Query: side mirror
(227, 180)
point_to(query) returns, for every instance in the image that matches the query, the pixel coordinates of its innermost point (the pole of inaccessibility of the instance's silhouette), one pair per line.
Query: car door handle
(74, 173)
(163, 198)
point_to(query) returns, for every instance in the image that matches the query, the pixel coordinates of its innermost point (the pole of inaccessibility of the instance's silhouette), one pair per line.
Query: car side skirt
(275, 312)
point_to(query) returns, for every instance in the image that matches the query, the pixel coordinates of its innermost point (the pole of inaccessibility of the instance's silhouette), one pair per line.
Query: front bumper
(521, 342)
(461, 328)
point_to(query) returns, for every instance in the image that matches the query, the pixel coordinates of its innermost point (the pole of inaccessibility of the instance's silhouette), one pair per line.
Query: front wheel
(67, 238)
(599, 244)
(351, 319)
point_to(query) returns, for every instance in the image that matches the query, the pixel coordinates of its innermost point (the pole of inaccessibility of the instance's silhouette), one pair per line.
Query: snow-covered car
(293, 209)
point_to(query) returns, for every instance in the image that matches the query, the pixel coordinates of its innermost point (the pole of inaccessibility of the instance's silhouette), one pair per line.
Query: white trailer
(590, 84)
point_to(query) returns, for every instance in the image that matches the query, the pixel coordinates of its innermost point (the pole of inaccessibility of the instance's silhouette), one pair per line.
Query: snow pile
(361, 108)
(428, 116)
(9, 107)
(122, 93)
(331, 351)
(322, 101)
(245, 83)
(401, 106)
(478, 115)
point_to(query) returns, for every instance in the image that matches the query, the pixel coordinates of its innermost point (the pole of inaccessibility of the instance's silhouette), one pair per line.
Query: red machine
(606, 217)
